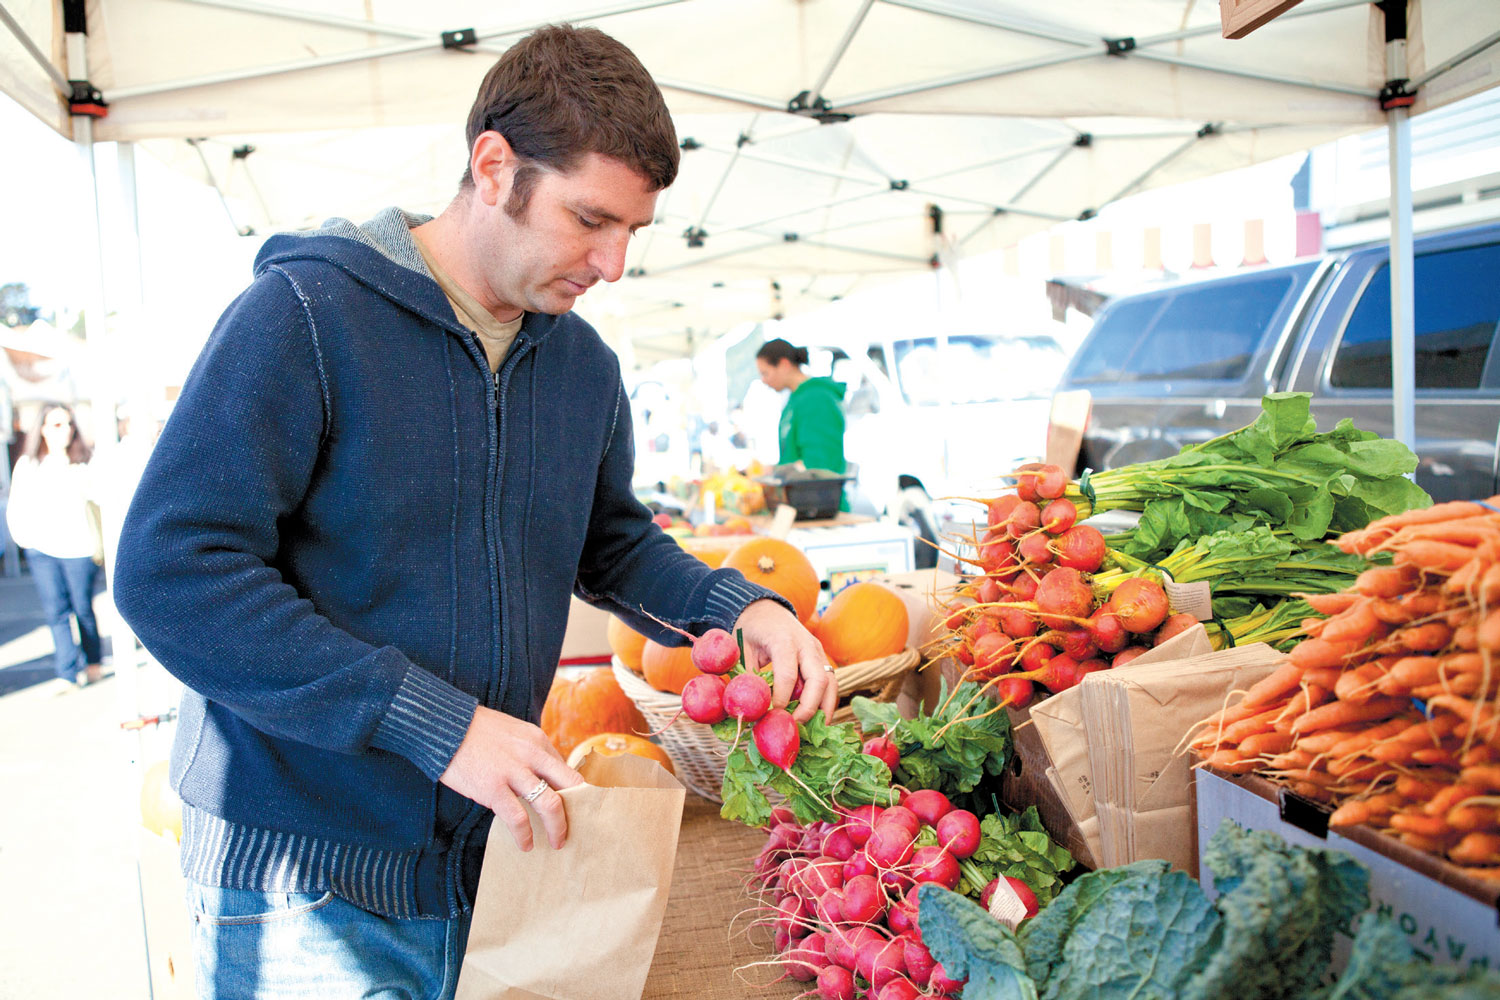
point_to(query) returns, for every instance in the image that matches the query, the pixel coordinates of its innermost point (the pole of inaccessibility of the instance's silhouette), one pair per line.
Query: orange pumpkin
(782, 567)
(712, 549)
(614, 744)
(668, 668)
(592, 704)
(864, 621)
(625, 642)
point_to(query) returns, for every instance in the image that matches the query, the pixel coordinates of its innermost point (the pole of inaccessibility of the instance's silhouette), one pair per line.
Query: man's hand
(773, 635)
(500, 761)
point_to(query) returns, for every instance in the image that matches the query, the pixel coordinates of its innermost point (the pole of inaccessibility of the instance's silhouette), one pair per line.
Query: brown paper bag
(578, 923)
(1059, 722)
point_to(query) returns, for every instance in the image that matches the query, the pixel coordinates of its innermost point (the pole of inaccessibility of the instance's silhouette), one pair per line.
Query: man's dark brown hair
(563, 92)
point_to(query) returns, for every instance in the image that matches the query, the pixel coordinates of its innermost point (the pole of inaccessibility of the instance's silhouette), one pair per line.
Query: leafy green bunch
(1278, 471)
(1147, 933)
(951, 750)
(1014, 846)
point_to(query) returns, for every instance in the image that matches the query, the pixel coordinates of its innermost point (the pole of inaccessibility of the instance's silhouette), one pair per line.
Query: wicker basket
(698, 756)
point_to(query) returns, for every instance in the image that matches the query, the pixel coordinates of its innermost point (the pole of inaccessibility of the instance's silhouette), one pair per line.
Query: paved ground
(70, 925)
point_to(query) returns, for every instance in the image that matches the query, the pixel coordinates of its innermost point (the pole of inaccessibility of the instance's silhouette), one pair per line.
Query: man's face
(575, 231)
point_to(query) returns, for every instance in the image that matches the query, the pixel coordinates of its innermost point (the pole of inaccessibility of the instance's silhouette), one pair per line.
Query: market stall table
(703, 935)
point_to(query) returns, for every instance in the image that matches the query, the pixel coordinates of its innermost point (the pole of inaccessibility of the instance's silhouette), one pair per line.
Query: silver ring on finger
(536, 793)
(828, 667)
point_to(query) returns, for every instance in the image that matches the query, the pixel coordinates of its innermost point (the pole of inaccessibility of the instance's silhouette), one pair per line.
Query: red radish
(929, 804)
(1063, 597)
(919, 961)
(859, 865)
(987, 591)
(1109, 635)
(1058, 516)
(899, 988)
(876, 959)
(776, 737)
(964, 655)
(662, 520)
(896, 880)
(1173, 626)
(1080, 547)
(1127, 654)
(901, 916)
(933, 864)
(1017, 623)
(890, 845)
(792, 915)
(1079, 643)
(715, 652)
(959, 832)
(940, 983)
(1015, 691)
(1060, 673)
(781, 939)
(1023, 587)
(805, 960)
(985, 624)
(904, 817)
(837, 844)
(884, 748)
(1025, 519)
(747, 697)
(842, 945)
(1000, 508)
(1035, 549)
(996, 552)
(1141, 604)
(817, 877)
(781, 816)
(862, 819)
(1022, 890)
(829, 907)
(864, 900)
(1026, 478)
(703, 699)
(993, 654)
(836, 983)
(1036, 657)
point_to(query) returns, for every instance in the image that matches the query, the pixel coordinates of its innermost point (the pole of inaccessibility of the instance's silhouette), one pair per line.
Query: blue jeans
(66, 587)
(282, 946)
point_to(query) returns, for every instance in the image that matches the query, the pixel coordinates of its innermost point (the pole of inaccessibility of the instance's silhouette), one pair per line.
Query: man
(396, 456)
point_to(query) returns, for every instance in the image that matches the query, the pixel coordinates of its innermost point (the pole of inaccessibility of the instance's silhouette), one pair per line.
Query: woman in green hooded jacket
(812, 423)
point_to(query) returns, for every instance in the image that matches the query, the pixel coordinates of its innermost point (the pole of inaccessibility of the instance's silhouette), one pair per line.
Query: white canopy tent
(828, 143)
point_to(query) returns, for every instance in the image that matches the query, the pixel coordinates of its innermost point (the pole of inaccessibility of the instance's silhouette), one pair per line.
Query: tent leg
(1403, 312)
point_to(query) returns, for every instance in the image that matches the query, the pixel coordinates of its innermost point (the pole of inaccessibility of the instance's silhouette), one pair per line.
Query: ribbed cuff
(731, 594)
(426, 722)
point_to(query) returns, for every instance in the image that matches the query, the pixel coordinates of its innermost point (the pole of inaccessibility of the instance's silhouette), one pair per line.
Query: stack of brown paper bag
(1114, 743)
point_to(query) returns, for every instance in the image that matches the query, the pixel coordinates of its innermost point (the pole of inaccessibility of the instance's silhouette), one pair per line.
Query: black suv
(1179, 365)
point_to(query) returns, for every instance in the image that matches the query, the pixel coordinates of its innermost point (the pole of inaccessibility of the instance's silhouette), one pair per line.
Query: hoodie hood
(814, 386)
(381, 254)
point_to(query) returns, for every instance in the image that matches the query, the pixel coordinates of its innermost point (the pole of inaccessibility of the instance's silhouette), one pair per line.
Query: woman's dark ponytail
(773, 352)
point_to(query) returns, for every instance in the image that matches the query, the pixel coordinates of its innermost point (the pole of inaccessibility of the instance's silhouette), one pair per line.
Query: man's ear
(492, 165)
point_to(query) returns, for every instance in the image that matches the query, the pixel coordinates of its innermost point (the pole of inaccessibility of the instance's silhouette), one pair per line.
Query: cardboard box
(169, 928)
(1450, 917)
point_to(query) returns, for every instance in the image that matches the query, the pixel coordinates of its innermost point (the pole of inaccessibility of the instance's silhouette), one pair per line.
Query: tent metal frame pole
(834, 203)
(708, 205)
(1036, 178)
(842, 47)
(1403, 261)
(1248, 74)
(1051, 147)
(807, 168)
(1174, 154)
(1453, 61)
(973, 76)
(58, 79)
(866, 252)
(990, 205)
(721, 93)
(1034, 29)
(357, 55)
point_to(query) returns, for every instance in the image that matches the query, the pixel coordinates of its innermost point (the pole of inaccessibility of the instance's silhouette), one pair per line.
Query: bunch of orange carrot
(1388, 709)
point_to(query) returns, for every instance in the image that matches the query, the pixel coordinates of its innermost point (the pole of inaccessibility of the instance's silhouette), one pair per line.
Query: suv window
(1212, 332)
(1457, 308)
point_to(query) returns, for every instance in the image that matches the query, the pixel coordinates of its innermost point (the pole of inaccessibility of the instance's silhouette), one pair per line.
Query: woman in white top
(48, 516)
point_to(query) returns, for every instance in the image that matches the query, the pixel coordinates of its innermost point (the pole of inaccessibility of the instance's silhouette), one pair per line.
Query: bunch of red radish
(1030, 616)
(841, 896)
(714, 696)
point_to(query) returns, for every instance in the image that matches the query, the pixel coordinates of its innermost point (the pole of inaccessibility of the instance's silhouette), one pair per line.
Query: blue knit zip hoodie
(349, 535)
